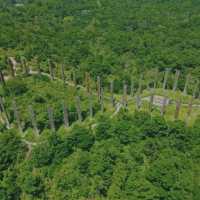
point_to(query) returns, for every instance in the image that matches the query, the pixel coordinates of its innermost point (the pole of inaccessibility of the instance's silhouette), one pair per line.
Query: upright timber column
(33, 120)
(124, 97)
(140, 84)
(74, 78)
(132, 88)
(2, 80)
(87, 81)
(151, 100)
(90, 105)
(138, 101)
(186, 84)
(189, 112)
(177, 110)
(51, 70)
(51, 119)
(99, 88)
(13, 65)
(63, 74)
(163, 106)
(65, 115)
(3, 109)
(166, 78)
(176, 80)
(25, 66)
(195, 89)
(16, 116)
(78, 108)
(112, 93)
(102, 99)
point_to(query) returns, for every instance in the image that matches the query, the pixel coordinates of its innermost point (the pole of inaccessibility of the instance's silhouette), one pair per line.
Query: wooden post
(186, 84)
(151, 100)
(90, 105)
(39, 70)
(176, 80)
(51, 70)
(12, 62)
(138, 101)
(26, 67)
(2, 80)
(87, 81)
(99, 88)
(189, 112)
(163, 107)
(112, 93)
(51, 119)
(63, 73)
(195, 89)
(16, 116)
(78, 108)
(5, 113)
(33, 120)
(140, 85)
(102, 99)
(156, 79)
(74, 77)
(132, 88)
(124, 97)
(177, 111)
(65, 115)
(166, 78)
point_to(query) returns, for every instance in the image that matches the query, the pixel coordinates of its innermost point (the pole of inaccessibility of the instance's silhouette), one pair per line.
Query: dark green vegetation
(128, 157)
(105, 37)
(132, 156)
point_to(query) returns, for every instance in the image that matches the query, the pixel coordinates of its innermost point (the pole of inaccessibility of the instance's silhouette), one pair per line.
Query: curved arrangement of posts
(129, 95)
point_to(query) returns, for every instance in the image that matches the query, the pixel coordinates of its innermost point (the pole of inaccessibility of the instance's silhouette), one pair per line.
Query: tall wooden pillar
(51, 119)
(90, 105)
(63, 73)
(195, 89)
(132, 88)
(2, 80)
(51, 70)
(163, 106)
(65, 115)
(102, 99)
(138, 102)
(140, 84)
(166, 78)
(78, 108)
(151, 100)
(124, 97)
(16, 116)
(189, 111)
(74, 78)
(26, 67)
(99, 88)
(186, 84)
(87, 82)
(177, 110)
(112, 93)
(3, 109)
(176, 80)
(12, 62)
(33, 120)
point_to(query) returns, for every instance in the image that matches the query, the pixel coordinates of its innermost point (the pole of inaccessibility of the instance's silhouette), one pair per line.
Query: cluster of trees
(103, 36)
(127, 157)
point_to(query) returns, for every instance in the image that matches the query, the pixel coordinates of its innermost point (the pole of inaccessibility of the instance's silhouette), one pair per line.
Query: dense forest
(47, 151)
(104, 37)
(128, 157)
